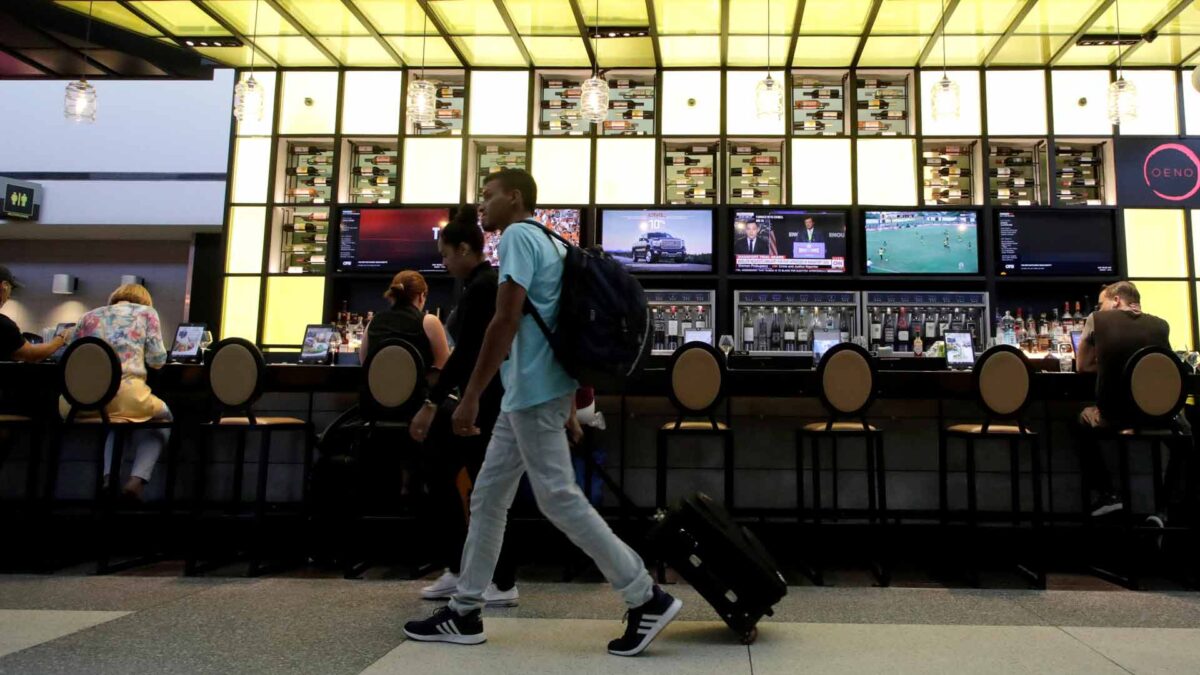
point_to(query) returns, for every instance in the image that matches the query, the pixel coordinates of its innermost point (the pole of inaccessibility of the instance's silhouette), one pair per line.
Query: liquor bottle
(555, 125)
(700, 193)
(763, 330)
(569, 93)
(1079, 317)
(1007, 329)
(449, 114)
(303, 171)
(559, 104)
(789, 331)
(747, 193)
(809, 125)
(699, 171)
(624, 84)
(747, 330)
(660, 330)
(826, 115)
(560, 84)
(816, 327)
(1019, 328)
(776, 331)
(944, 323)
(673, 329)
(843, 326)
(873, 104)
(1068, 321)
(316, 181)
(973, 326)
(700, 322)
(682, 160)
(890, 115)
(889, 328)
(451, 92)
(822, 93)
(1055, 326)
(685, 322)
(918, 345)
(745, 171)
(809, 104)
(802, 325)
(902, 333)
(876, 329)
(625, 105)
(619, 125)
(931, 325)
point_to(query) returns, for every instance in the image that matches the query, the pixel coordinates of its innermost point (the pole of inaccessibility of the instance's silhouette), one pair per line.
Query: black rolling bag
(722, 560)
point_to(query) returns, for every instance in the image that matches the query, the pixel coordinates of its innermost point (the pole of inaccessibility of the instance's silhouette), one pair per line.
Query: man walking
(530, 435)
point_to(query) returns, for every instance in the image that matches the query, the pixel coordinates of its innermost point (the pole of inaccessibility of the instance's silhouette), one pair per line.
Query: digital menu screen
(1052, 243)
(391, 240)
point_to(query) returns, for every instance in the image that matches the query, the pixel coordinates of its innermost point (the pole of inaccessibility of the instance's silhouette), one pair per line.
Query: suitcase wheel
(750, 636)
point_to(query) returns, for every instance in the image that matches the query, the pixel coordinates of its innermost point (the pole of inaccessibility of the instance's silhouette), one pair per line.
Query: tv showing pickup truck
(665, 240)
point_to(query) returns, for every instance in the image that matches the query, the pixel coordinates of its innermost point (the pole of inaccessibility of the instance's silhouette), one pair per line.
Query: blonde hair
(135, 293)
(409, 285)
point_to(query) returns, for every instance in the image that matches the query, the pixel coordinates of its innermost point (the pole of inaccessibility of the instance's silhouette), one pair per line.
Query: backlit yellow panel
(824, 51)
(371, 102)
(1136, 17)
(751, 50)
(968, 122)
(309, 102)
(691, 102)
(1196, 239)
(239, 309)
(394, 17)
(625, 170)
(542, 17)
(1016, 102)
(835, 17)
(499, 102)
(692, 50)
(887, 172)
(432, 170)
(961, 50)
(893, 50)
(293, 51)
(324, 17)
(1068, 88)
(615, 12)
(1158, 115)
(1029, 50)
(749, 17)
(821, 171)
(1155, 245)
(1191, 114)
(109, 11)
(1167, 50)
(251, 163)
(900, 17)
(244, 247)
(1169, 301)
(558, 51)
(180, 17)
(626, 51)
(490, 50)
(1088, 56)
(691, 17)
(241, 14)
(979, 17)
(1187, 22)
(561, 169)
(1057, 16)
(469, 17)
(260, 127)
(292, 304)
(358, 51)
(230, 56)
(741, 116)
(432, 50)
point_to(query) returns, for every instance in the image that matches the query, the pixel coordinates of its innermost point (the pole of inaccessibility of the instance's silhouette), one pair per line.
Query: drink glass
(1193, 359)
(206, 340)
(726, 344)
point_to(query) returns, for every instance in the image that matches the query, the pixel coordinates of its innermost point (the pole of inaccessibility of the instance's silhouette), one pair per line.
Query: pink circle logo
(1161, 175)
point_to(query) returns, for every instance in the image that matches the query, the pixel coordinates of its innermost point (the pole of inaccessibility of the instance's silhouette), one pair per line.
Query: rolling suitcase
(723, 561)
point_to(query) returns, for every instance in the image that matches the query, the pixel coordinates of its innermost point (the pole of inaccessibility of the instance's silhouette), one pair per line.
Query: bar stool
(235, 373)
(1154, 378)
(1003, 386)
(846, 376)
(11, 425)
(697, 373)
(90, 378)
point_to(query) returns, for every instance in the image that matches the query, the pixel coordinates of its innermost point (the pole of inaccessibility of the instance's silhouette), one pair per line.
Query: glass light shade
(80, 102)
(593, 100)
(946, 99)
(248, 100)
(768, 99)
(422, 101)
(1122, 101)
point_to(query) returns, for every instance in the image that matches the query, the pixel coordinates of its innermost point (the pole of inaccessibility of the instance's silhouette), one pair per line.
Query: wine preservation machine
(909, 322)
(792, 323)
(679, 317)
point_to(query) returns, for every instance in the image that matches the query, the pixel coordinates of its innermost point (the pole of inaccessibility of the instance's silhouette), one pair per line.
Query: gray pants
(534, 441)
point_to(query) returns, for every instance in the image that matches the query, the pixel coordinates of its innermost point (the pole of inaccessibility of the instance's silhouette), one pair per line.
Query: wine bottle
(624, 105)
(802, 337)
(682, 160)
(449, 114)
(873, 83)
(382, 159)
(560, 84)
(952, 194)
(890, 115)
(1017, 161)
(698, 171)
(369, 149)
(303, 192)
(383, 181)
(700, 322)
(619, 125)
(889, 328)
(953, 171)
(802, 104)
(747, 330)
(320, 159)
(556, 125)
(871, 126)
(823, 93)
(776, 331)
(826, 115)
(303, 171)
(673, 329)
(640, 93)
(1079, 182)
(809, 125)
(638, 114)
(569, 93)
(1015, 183)
(876, 329)
(623, 84)
(902, 332)
(699, 193)
(685, 323)
(368, 171)
(746, 150)
(559, 104)
(889, 93)
(1005, 151)
(660, 330)
(433, 125)
(317, 181)
(789, 331)
(746, 171)
(747, 193)
(451, 92)
(764, 159)
(873, 104)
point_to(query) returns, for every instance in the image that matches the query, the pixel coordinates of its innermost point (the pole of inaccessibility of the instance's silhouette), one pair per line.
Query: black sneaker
(643, 624)
(447, 625)
(1106, 504)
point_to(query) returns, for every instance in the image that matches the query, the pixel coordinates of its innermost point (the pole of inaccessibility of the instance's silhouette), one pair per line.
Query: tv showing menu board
(789, 240)
(564, 222)
(1049, 243)
(921, 242)
(665, 240)
(391, 240)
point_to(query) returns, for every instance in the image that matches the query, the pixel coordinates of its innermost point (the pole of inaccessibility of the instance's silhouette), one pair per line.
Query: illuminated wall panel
(1169, 301)
(968, 122)
(239, 310)
(251, 163)
(292, 304)
(1080, 102)
(371, 102)
(691, 102)
(1155, 245)
(561, 167)
(1157, 103)
(625, 170)
(310, 100)
(432, 170)
(887, 172)
(499, 102)
(821, 171)
(244, 245)
(1016, 102)
(741, 114)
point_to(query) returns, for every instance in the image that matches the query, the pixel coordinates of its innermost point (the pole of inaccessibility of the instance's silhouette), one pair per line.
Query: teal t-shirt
(531, 374)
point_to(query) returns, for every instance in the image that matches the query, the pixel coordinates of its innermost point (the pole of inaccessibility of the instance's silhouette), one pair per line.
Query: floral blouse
(132, 330)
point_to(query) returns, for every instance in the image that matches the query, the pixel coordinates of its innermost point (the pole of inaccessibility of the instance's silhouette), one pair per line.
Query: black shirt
(10, 338)
(467, 325)
(405, 322)
(1118, 335)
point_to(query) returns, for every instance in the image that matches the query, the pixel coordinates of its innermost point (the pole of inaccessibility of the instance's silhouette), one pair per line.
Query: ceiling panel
(835, 17)
(434, 50)
(627, 51)
(691, 50)
(324, 17)
(542, 17)
(241, 15)
(1029, 50)
(1166, 50)
(690, 17)
(961, 50)
(893, 50)
(557, 51)
(292, 51)
(817, 50)
(907, 17)
(980, 17)
(751, 50)
(230, 56)
(112, 12)
(469, 17)
(1136, 17)
(1099, 55)
(615, 12)
(749, 17)
(394, 17)
(1188, 21)
(180, 17)
(358, 51)
(61, 61)
(489, 50)
(1057, 16)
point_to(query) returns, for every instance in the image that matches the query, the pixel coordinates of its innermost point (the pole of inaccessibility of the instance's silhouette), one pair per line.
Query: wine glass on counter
(726, 344)
(1192, 359)
(206, 340)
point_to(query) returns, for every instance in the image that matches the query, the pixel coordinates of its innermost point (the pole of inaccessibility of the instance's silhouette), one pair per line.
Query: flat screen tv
(789, 240)
(391, 240)
(565, 222)
(921, 242)
(668, 240)
(1055, 243)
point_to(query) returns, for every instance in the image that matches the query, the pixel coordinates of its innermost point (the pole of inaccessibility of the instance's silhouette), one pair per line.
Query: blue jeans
(534, 441)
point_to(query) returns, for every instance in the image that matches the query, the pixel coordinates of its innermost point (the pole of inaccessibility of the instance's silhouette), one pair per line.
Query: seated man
(13, 345)
(1111, 336)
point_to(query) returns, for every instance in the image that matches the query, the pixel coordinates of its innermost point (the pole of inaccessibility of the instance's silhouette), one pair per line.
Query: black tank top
(402, 321)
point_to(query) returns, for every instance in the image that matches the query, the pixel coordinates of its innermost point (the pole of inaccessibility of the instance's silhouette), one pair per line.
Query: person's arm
(437, 340)
(510, 305)
(1085, 360)
(156, 351)
(31, 353)
(363, 349)
(475, 312)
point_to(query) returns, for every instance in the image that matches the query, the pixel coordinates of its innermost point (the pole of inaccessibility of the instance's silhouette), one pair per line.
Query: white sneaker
(441, 589)
(494, 597)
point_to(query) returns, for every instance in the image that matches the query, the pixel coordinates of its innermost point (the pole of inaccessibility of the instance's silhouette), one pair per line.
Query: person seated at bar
(130, 324)
(13, 345)
(407, 320)
(446, 454)
(1111, 336)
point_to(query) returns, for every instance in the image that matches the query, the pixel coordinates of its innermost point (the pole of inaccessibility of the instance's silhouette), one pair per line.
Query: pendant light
(944, 97)
(593, 96)
(422, 94)
(80, 102)
(768, 94)
(248, 96)
(1122, 95)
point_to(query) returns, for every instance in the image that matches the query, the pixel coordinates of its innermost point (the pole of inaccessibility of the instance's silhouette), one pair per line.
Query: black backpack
(603, 319)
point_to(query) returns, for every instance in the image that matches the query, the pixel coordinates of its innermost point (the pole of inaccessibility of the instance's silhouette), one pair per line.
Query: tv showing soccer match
(922, 242)
(564, 222)
(391, 240)
(1048, 243)
(789, 240)
(659, 240)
